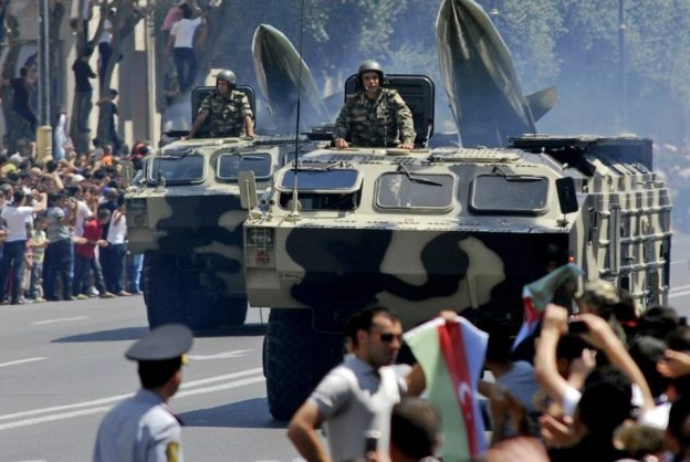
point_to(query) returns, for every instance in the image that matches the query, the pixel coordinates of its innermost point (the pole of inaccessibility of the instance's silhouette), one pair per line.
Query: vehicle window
(315, 180)
(177, 170)
(414, 191)
(509, 194)
(321, 201)
(230, 165)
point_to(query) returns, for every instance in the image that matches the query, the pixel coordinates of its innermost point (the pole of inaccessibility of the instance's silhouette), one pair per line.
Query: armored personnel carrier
(433, 229)
(183, 213)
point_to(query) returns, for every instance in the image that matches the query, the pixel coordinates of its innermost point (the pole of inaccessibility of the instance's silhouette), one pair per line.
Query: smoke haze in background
(573, 45)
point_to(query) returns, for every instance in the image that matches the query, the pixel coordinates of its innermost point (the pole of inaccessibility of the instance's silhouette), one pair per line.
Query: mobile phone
(371, 440)
(577, 327)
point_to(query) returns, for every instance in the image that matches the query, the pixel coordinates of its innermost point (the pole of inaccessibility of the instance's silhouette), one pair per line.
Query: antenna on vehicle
(294, 210)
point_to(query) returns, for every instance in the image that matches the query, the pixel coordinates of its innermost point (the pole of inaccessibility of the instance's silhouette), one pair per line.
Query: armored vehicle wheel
(296, 357)
(175, 296)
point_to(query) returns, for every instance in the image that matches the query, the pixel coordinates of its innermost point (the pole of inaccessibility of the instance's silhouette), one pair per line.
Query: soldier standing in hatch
(374, 116)
(142, 428)
(229, 109)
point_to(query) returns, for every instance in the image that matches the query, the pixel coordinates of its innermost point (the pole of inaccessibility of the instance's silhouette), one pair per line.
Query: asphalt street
(62, 368)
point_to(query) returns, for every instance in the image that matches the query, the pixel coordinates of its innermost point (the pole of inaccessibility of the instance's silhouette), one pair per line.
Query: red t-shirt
(93, 232)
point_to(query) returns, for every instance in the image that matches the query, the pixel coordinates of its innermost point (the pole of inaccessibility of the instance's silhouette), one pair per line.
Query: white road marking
(97, 410)
(55, 321)
(23, 361)
(227, 354)
(52, 418)
(679, 294)
(112, 399)
(676, 289)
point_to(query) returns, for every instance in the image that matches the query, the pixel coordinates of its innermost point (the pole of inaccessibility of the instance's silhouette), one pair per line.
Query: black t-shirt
(21, 94)
(82, 73)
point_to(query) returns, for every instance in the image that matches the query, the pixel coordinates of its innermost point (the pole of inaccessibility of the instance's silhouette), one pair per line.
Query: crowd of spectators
(63, 228)
(603, 382)
(606, 384)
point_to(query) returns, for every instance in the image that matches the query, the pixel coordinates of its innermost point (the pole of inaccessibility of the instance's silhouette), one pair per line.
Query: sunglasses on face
(389, 337)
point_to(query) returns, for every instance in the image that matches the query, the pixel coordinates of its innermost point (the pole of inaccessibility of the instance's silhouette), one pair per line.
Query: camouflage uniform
(387, 121)
(227, 113)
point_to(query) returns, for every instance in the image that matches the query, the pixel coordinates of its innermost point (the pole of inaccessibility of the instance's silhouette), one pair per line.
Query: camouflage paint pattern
(420, 261)
(387, 121)
(227, 113)
(199, 223)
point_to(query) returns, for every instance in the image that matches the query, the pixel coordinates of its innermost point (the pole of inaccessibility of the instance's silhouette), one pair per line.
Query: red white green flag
(452, 357)
(538, 294)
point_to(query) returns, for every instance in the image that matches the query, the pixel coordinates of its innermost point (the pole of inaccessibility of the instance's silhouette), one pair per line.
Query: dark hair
(363, 319)
(51, 166)
(658, 322)
(647, 352)
(24, 71)
(74, 190)
(605, 388)
(679, 339)
(186, 11)
(415, 428)
(53, 198)
(18, 197)
(103, 213)
(570, 347)
(154, 374)
(680, 410)
(499, 347)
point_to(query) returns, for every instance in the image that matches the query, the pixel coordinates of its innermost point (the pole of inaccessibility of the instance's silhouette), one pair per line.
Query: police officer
(374, 116)
(142, 428)
(229, 109)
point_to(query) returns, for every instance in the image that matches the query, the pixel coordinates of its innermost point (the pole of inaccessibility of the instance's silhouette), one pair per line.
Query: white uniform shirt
(140, 429)
(183, 31)
(16, 219)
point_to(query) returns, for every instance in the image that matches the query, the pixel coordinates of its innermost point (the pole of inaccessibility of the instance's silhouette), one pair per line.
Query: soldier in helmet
(142, 428)
(374, 116)
(229, 109)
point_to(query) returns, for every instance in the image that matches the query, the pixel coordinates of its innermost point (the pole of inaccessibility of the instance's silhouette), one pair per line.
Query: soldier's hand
(406, 146)
(340, 143)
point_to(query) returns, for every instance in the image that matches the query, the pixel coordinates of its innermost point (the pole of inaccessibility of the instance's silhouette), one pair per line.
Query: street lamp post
(44, 63)
(622, 66)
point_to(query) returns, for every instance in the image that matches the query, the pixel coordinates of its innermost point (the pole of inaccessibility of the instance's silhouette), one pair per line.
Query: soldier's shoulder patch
(172, 452)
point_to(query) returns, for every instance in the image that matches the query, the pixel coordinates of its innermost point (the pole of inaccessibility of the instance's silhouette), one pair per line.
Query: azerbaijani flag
(452, 357)
(538, 294)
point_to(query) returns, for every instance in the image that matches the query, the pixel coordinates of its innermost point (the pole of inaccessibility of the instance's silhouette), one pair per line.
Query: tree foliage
(573, 45)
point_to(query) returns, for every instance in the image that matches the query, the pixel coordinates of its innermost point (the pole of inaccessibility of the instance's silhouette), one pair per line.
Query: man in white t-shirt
(81, 209)
(16, 216)
(116, 251)
(181, 42)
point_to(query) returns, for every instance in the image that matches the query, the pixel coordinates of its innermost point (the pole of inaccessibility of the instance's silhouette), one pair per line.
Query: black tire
(163, 293)
(174, 296)
(296, 358)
